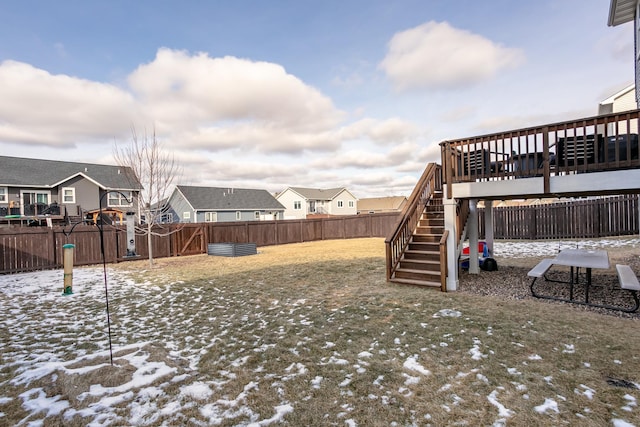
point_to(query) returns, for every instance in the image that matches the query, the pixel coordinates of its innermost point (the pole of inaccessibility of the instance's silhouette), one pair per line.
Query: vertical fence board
(31, 248)
(578, 219)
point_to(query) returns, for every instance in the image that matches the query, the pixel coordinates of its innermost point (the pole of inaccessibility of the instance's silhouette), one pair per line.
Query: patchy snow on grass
(447, 312)
(549, 405)
(207, 375)
(412, 364)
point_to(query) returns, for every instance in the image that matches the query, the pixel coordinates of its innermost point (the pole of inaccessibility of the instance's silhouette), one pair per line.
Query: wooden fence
(38, 248)
(588, 218)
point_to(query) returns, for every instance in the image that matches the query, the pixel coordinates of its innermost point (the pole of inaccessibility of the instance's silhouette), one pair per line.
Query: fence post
(52, 246)
(545, 156)
(344, 227)
(636, 200)
(532, 223)
(275, 232)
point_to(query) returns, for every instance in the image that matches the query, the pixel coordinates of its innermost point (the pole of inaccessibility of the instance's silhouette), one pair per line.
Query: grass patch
(314, 331)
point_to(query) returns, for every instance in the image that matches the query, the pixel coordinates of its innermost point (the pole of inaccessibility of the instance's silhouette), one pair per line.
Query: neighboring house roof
(319, 194)
(393, 203)
(161, 205)
(621, 11)
(23, 172)
(216, 198)
(618, 94)
(623, 100)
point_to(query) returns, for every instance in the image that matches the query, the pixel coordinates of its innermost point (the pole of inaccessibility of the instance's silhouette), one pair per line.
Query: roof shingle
(20, 171)
(217, 198)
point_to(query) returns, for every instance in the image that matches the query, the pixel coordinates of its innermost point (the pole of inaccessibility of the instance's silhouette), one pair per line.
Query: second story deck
(591, 156)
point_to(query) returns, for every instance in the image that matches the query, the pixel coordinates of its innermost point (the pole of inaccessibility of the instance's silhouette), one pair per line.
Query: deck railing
(601, 143)
(429, 183)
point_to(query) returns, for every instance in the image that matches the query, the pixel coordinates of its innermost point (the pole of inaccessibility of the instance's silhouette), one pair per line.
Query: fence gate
(190, 240)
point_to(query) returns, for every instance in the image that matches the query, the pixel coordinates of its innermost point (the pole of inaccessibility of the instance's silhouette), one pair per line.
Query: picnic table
(587, 259)
(581, 258)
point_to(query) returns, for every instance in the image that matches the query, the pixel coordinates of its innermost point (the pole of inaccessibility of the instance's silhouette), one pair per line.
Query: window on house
(167, 218)
(351, 204)
(238, 215)
(211, 217)
(120, 199)
(68, 195)
(31, 197)
(340, 204)
(257, 215)
(297, 205)
(186, 215)
(4, 195)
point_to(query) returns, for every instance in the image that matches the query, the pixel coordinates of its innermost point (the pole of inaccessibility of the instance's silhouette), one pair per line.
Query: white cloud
(39, 108)
(383, 132)
(249, 170)
(380, 184)
(437, 55)
(193, 101)
(230, 101)
(368, 159)
(393, 131)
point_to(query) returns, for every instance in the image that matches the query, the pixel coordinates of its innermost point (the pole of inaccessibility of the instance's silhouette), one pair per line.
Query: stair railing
(422, 195)
(462, 223)
(443, 261)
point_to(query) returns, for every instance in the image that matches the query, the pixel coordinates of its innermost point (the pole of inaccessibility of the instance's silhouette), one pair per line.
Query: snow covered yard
(305, 334)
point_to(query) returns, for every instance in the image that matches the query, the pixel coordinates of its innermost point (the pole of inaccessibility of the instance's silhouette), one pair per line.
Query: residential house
(575, 160)
(301, 203)
(621, 12)
(624, 100)
(32, 187)
(381, 204)
(215, 204)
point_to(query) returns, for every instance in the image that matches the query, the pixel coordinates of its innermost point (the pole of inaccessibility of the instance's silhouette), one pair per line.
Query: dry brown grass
(317, 326)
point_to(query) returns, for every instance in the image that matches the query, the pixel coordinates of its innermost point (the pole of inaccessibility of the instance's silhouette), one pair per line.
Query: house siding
(287, 198)
(345, 197)
(623, 101)
(223, 216)
(24, 175)
(87, 195)
(230, 216)
(322, 206)
(11, 196)
(179, 205)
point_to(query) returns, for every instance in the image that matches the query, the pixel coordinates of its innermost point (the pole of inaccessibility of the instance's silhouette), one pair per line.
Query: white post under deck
(473, 237)
(488, 224)
(450, 218)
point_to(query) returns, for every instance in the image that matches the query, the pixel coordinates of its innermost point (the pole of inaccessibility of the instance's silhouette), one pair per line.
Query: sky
(298, 93)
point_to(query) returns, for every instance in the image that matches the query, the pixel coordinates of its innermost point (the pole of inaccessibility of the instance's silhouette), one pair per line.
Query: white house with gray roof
(33, 186)
(215, 204)
(303, 202)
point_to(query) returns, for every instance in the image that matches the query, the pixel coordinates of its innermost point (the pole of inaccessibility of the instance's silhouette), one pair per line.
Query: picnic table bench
(576, 258)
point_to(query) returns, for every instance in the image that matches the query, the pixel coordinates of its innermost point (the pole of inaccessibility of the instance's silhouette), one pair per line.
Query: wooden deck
(590, 156)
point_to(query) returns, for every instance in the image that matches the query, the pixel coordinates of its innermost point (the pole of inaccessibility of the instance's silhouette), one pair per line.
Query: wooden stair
(420, 262)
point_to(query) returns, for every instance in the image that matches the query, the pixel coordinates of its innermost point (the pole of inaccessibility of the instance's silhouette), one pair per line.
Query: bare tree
(155, 170)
